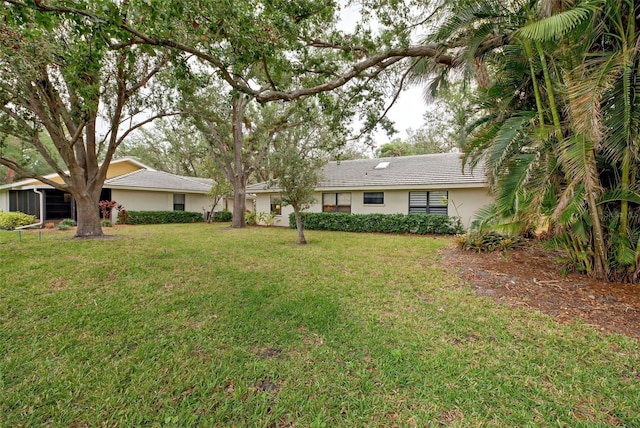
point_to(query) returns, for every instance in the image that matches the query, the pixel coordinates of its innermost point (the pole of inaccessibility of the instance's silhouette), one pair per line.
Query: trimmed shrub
(222, 216)
(161, 217)
(488, 240)
(251, 218)
(106, 223)
(15, 219)
(419, 224)
(66, 224)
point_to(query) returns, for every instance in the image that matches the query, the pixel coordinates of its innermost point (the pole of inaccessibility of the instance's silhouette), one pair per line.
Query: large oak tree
(61, 74)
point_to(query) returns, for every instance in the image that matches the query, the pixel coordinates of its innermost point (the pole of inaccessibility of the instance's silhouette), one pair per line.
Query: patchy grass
(184, 325)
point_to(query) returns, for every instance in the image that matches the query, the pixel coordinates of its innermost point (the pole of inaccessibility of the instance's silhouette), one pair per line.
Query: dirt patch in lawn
(532, 277)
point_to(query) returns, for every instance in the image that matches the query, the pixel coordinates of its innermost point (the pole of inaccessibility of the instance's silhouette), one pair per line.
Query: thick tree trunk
(239, 170)
(88, 216)
(239, 203)
(301, 239)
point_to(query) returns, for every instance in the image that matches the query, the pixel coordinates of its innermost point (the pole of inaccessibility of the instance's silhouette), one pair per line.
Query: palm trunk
(628, 55)
(557, 126)
(600, 263)
(534, 81)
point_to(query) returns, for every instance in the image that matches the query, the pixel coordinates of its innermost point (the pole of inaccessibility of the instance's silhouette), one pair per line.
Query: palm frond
(559, 25)
(513, 180)
(571, 205)
(508, 140)
(578, 160)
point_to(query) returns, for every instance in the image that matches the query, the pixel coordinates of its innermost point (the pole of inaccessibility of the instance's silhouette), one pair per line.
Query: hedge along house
(433, 184)
(130, 183)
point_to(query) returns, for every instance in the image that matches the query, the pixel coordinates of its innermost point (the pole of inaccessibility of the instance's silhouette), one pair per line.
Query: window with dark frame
(433, 202)
(336, 203)
(179, 201)
(276, 205)
(373, 198)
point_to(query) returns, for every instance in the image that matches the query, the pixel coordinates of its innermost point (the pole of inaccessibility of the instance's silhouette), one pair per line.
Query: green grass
(185, 325)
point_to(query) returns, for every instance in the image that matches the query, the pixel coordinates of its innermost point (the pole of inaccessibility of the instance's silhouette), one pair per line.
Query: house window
(434, 202)
(373, 198)
(336, 203)
(276, 205)
(178, 201)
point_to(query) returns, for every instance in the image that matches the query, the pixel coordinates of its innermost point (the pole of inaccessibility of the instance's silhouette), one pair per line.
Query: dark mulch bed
(532, 277)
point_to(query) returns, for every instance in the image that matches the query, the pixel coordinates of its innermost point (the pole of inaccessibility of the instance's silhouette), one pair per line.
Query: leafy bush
(268, 219)
(419, 224)
(106, 223)
(66, 224)
(222, 216)
(488, 240)
(251, 218)
(161, 217)
(12, 220)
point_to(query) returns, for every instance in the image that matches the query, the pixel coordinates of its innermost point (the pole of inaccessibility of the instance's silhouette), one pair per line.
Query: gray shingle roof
(443, 169)
(147, 179)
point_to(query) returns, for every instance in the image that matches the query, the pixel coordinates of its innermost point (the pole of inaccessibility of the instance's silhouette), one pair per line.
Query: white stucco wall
(228, 205)
(137, 200)
(463, 203)
(4, 200)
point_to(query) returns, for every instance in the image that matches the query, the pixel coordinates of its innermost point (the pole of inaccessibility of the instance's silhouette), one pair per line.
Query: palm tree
(559, 129)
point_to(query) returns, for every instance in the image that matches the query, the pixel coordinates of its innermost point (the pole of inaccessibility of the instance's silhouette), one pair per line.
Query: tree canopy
(61, 75)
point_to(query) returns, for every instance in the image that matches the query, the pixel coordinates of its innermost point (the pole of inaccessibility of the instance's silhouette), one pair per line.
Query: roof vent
(382, 165)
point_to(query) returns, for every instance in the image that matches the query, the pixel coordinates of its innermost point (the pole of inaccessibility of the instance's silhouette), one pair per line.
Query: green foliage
(66, 224)
(170, 146)
(62, 75)
(106, 223)
(251, 218)
(160, 217)
(222, 216)
(396, 148)
(420, 224)
(488, 240)
(69, 222)
(11, 220)
(563, 145)
(268, 219)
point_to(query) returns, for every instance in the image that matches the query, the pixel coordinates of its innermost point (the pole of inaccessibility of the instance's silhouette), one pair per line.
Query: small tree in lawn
(298, 173)
(220, 189)
(297, 160)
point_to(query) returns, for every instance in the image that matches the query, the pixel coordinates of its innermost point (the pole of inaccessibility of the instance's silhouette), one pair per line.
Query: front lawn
(185, 325)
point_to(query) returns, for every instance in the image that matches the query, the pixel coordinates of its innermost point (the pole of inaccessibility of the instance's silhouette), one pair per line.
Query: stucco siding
(463, 203)
(395, 202)
(4, 200)
(197, 203)
(135, 200)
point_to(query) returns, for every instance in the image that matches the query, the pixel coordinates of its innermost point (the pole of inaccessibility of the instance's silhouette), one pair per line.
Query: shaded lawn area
(183, 325)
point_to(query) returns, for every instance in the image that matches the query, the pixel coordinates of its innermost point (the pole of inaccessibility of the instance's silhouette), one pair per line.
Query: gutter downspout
(41, 221)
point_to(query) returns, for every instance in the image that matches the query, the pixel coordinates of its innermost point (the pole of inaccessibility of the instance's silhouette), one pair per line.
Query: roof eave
(336, 188)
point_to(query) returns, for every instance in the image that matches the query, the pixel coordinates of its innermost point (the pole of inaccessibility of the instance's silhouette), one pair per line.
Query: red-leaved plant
(106, 207)
(122, 214)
